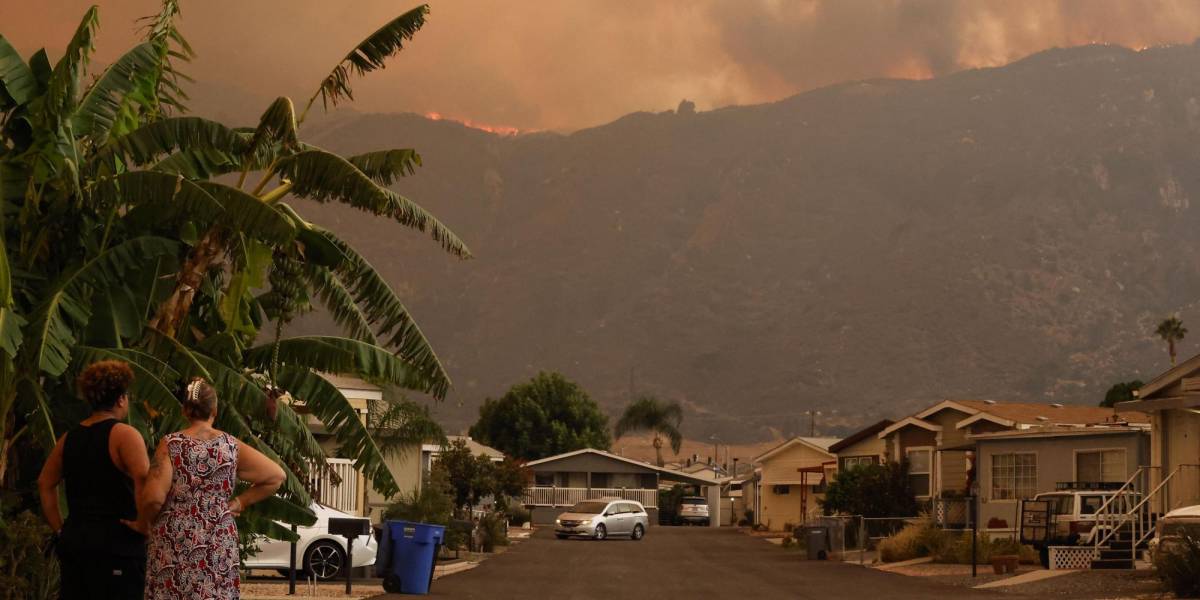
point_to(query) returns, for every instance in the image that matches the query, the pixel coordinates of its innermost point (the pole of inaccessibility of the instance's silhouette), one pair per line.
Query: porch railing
(566, 496)
(340, 490)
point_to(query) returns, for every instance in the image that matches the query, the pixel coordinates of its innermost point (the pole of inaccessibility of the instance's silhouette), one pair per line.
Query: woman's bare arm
(48, 480)
(154, 491)
(263, 475)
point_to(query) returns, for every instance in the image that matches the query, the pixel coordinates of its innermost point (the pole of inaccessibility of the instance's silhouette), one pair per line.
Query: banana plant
(134, 230)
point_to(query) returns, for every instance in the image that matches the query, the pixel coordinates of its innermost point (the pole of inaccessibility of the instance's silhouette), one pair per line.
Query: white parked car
(317, 553)
(1172, 526)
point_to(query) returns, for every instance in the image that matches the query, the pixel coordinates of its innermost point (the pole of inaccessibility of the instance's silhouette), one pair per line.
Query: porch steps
(1117, 555)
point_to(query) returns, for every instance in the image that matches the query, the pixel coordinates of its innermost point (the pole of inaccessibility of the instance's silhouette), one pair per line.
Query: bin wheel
(638, 532)
(325, 560)
(391, 584)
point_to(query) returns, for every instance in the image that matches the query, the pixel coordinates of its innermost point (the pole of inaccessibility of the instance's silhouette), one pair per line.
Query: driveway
(678, 562)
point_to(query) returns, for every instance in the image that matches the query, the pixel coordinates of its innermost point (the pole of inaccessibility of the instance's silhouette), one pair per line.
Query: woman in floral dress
(187, 508)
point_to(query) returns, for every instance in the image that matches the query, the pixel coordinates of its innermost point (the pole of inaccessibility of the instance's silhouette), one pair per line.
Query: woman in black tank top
(103, 463)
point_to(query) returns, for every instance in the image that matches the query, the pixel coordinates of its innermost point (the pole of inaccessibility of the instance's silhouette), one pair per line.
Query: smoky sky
(569, 64)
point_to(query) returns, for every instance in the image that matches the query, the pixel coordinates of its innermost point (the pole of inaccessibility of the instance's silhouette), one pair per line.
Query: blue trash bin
(411, 554)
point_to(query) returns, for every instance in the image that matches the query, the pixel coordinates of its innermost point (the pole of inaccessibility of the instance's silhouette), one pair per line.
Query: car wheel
(638, 532)
(324, 560)
(601, 532)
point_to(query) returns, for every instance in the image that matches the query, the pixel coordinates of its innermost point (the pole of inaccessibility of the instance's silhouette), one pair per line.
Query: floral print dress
(193, 550)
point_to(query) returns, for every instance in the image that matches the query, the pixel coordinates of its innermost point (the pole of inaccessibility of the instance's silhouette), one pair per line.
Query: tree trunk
(658, 449)
(1171, 349)
(209, 251)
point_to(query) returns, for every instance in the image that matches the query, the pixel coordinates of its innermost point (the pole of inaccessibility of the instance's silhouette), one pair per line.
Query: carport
(710, 485)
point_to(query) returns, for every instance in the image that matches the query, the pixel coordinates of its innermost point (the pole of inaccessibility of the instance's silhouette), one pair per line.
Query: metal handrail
(1103, 523)
(1140, 532)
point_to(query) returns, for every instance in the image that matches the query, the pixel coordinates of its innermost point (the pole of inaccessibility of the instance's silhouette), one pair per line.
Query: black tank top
(99, 495)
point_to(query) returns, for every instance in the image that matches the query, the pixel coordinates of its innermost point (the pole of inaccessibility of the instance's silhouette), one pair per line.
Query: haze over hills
(867, 248)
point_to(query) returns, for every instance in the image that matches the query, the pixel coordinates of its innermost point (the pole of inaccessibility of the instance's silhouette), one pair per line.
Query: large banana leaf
(156, 139)
(10, 331)
(167, 195)
(334, 410)
(387, 315)
(66, 309)
(339, 303)
(136, 71)
(277, 125)
(386, 166)
(16, 79)
(329, 354)
(248, 215)
(64, 80)
(369, 55)
(324, 176)
(153, 383)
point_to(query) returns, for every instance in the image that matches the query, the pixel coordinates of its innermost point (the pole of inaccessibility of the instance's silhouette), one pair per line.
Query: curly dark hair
(103, 383)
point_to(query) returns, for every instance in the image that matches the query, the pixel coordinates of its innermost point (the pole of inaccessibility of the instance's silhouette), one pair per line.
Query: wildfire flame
(496, 129)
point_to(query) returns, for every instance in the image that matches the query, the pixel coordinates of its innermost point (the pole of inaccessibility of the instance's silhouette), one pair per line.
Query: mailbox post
(349, 529)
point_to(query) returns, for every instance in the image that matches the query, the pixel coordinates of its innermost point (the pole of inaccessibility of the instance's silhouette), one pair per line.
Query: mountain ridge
(861, 249)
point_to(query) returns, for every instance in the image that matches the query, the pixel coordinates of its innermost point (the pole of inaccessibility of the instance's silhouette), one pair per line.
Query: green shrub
(914, 541)
(518, 515)
(1179, 567)
(492, 526)
(750, 516)
(957, 550)
(27, 570)
(788, 542)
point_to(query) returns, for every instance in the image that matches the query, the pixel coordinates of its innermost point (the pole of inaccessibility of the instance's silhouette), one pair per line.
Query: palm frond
(398, 425)
(324, 177)
(112, 93)
(369, 55)
(387, 315)
(328, 404)
(16, 79)
(386, 166)
(66, 309)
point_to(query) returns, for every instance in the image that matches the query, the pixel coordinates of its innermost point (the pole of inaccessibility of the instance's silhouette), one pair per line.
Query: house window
(1014, 476)
(920, 470)
(781, 490)
(855, 461)
(1100, 465)
(543, 479)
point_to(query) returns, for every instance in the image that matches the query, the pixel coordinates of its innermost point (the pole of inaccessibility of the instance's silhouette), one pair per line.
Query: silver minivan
(599, 519)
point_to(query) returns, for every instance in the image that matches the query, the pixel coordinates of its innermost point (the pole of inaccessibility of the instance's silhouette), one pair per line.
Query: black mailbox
(349, 527)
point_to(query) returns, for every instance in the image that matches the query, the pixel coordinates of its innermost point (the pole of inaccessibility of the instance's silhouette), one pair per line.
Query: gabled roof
(966, 406)
(549, 459)
(907, 422)
(819, 444)
(858, 436)
(1170, 376)
(475, 447)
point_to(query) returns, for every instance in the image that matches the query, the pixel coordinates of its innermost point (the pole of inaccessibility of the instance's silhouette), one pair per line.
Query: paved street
(678, 562)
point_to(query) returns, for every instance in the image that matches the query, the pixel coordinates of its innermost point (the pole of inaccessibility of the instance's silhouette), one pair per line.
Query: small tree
(1121, 392)
(873, 491)
(660, 418)
(545, 416)
(1171, 330)
(473, 478)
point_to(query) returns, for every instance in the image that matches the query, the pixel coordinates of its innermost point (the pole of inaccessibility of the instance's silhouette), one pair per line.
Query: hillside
(1010, 233)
